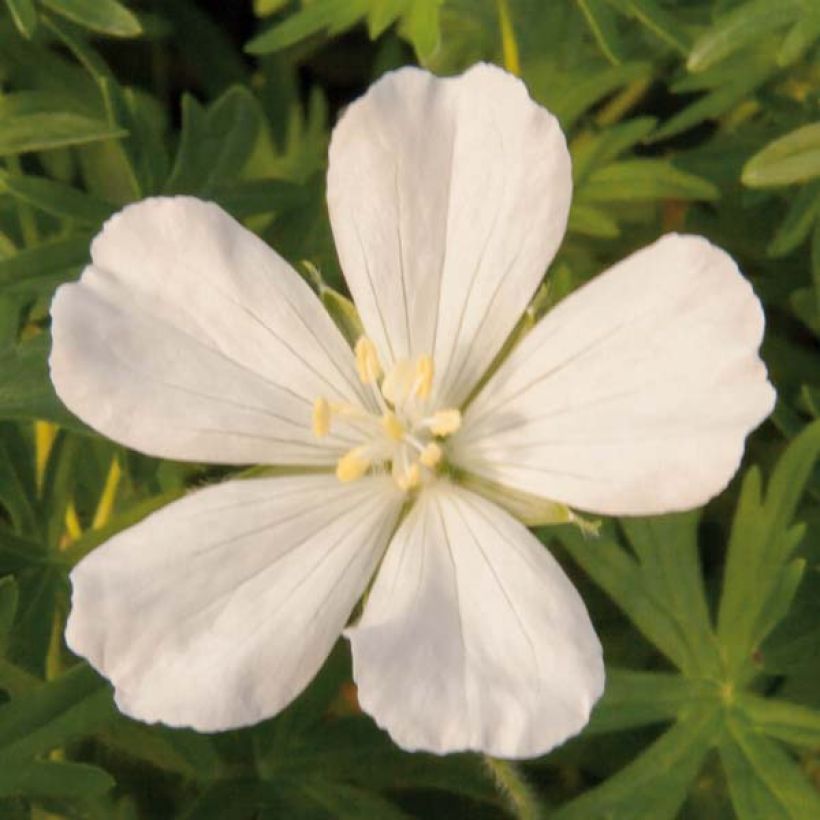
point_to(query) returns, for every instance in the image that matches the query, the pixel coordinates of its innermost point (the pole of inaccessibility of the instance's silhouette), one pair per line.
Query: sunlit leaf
(742, 25)
(24, 15)
(792, 158)
(104, 16)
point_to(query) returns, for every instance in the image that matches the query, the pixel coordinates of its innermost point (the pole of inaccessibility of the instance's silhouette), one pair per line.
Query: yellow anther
(411, 477)
(431, 456)
(352, 465)
(367, 361)
(424, 376)
(321, 417)
(445, 422)
(392, 426)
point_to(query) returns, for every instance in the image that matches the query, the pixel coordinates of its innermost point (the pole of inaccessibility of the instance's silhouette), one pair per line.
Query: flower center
(406, 435)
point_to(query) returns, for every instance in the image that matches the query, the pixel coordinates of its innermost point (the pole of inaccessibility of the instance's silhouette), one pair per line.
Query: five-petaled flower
(189, 338)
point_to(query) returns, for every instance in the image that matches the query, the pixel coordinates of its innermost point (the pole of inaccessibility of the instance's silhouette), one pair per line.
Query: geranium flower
(189, 338)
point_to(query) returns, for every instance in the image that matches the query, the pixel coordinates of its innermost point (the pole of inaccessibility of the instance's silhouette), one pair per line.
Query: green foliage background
(692, 115)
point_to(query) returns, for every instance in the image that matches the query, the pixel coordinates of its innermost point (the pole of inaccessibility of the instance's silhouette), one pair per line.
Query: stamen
(424, 376)
(392, 426)
(352, 465)
(367, 361)
(411, 477)
(431, 456)
(444, 422)
(321, 417)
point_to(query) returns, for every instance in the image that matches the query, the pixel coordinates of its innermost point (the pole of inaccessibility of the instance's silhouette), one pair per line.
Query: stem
(106, 503)
(509, 45)
(509, 781)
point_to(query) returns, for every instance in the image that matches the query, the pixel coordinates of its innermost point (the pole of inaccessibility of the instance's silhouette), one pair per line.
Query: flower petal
(216, 611)
(472, 636)
(189, 338)
(448, 199)
(634, 395)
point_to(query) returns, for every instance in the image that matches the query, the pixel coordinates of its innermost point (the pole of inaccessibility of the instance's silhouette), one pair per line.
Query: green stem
(509, 781)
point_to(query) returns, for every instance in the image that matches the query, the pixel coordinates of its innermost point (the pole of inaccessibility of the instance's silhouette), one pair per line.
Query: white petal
(216, 611)
(448, 199)
(189, 338)
(472, 636)
(635, 394)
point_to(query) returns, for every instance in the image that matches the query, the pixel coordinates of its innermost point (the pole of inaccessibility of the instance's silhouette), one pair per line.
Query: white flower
(188, 338)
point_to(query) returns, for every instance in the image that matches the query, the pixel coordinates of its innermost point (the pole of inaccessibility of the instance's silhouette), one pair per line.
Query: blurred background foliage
(693, 115)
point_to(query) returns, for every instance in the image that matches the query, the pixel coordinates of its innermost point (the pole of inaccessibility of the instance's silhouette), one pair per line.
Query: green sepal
(341, 309)
(531, 510)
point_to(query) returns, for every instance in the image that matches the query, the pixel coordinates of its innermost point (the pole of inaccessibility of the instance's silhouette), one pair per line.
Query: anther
(367, 361)
(392, 426)
(444, 422)
(431, 456)
(352, 465)
(411, 478)
(321, 417)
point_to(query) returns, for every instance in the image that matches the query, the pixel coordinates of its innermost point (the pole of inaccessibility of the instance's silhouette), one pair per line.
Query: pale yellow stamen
(352, 465)
(367, 361)
(411, 478)
(424, 376)
(392, 426)
(445, 422)
(431, 456)
(321, 418)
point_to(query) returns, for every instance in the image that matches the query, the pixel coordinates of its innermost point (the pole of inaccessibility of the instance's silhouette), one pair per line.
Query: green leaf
(26, 391)
(420, 25)
(673, 621)
(333, 15)
(741, 27)
(788, 722)
(41, 268)
(655, 784)
(803, 211)
(103, 16)
(587, 220)
(645, 179)
(259, 196)
(602, 25)
(216, 143)
(49, 779)
(74, 705)
(24, 15)
(17, 481)
(9, 595)
(667, 548)
(52, 129)
(337, 800)
(792, 158)
(56, 198)
(664, 25)
(763, 781)
(728, 91)
(570, 100)
(591, 151)
(760, 545)
(799, 39)
(19, 553)
(181, 751)
(382, 14)
(633, 699)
